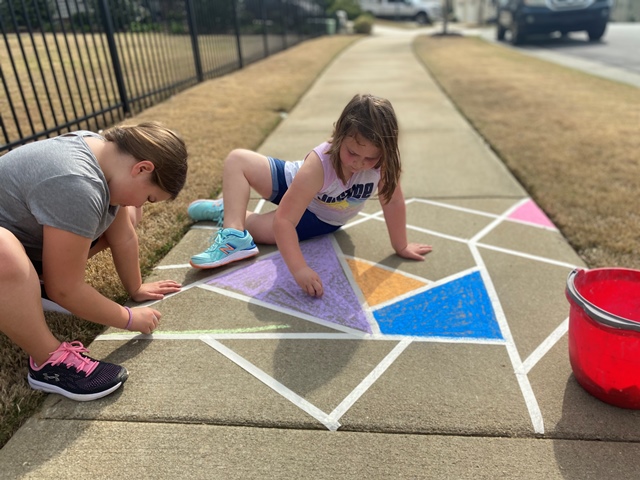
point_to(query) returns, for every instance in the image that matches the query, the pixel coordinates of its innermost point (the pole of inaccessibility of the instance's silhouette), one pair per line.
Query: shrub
(363, 24)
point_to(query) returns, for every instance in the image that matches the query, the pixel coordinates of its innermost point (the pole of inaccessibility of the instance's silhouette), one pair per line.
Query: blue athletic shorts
(309, 225)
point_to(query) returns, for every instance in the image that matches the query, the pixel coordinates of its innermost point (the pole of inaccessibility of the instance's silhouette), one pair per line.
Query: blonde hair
(374, 119)
(153, 142)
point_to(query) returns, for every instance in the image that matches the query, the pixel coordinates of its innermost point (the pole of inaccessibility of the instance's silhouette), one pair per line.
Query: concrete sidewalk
(455, 367)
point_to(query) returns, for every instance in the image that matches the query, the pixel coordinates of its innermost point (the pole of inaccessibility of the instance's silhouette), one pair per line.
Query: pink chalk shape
(530, 212)
(269, 280)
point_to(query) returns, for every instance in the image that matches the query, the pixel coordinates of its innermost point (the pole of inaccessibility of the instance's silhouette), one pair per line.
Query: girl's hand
(145, 319)
(309, 281)
(155, 290)
(415, 251)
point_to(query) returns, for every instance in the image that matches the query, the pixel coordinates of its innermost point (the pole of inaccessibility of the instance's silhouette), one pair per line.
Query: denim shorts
(309, 225)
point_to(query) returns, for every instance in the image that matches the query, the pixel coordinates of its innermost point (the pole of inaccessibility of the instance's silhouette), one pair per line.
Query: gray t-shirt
(55, 182)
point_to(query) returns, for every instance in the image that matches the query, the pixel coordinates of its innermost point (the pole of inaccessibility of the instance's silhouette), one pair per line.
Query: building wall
(626, 11)
(474, 11)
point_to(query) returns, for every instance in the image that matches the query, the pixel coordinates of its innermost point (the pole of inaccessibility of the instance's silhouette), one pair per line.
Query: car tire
(422, 19)
(517, 35)
(500, 32)
(596, 32)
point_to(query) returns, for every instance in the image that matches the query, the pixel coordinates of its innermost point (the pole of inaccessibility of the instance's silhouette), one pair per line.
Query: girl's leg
(243, 170)
(21, 315)
(260, 226)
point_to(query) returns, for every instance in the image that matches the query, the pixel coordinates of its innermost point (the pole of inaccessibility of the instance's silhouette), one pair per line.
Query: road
(615, 57)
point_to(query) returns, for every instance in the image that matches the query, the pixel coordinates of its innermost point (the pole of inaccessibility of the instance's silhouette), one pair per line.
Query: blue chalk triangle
(460, 308)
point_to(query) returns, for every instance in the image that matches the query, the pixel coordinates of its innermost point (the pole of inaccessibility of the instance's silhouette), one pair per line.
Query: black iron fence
(86, 64)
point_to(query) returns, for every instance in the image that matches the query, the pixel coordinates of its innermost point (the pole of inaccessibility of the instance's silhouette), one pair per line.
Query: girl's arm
(123, 241)
(307, 182)
(64, 259)
(395, 215)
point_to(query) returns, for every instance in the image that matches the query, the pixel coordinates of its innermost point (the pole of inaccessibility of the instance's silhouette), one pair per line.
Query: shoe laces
(218, 242)
(70, 354)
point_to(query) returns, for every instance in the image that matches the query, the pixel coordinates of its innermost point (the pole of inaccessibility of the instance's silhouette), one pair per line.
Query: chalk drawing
(367, 301)
(269, 280)
(460, 308)
(529, 212)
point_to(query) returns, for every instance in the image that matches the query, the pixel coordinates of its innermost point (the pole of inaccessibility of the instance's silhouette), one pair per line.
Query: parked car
(421, 11)
(525, 17)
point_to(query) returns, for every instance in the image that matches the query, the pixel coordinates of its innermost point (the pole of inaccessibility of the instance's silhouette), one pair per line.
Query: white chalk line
(369, 380)
(521, 369)
(364, 305)
(272, 383)
(545, 346)
(281, 309)
(531, 402)
(425, 288)
(198, 335)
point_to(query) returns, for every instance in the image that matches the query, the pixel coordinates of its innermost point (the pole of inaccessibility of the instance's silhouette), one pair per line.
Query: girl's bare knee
(237, 158)
(13, 258)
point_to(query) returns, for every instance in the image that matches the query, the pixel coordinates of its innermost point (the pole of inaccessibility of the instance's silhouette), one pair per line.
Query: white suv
(422, 11)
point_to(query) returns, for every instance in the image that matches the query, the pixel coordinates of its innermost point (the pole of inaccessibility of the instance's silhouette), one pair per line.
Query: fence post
(193, 33)
(263, 11)
(115, 59)
(236, 23)
(283, 10)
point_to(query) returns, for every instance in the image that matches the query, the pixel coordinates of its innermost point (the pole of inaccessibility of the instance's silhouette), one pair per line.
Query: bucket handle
(597, 314)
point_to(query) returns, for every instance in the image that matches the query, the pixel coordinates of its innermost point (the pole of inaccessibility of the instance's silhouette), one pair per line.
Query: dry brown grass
(237, 110)
(570, 138)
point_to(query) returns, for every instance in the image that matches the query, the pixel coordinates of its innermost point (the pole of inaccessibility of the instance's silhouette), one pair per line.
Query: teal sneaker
(230, 245)
(206, 209)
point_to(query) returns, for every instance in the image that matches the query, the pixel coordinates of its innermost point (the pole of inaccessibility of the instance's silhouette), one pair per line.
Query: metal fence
(87, 64)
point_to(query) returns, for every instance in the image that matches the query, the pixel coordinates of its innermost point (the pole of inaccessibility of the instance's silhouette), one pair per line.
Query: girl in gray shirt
(62, 200)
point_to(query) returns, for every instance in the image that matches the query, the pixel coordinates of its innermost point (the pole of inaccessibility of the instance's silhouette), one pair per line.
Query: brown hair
(374, 119)
(157, 144)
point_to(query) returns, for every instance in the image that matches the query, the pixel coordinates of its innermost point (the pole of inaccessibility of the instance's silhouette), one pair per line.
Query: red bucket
(604, 333)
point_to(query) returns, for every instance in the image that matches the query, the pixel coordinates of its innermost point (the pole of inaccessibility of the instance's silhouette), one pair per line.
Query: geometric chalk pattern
(379, 285)
(269, 280)
(459, 308)
(364, 300)
(529, 212)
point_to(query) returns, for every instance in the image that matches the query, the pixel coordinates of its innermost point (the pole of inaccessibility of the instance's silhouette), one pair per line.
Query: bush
(363, 24)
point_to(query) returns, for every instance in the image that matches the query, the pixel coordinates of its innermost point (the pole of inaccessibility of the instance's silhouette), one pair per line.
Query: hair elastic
(128, 327)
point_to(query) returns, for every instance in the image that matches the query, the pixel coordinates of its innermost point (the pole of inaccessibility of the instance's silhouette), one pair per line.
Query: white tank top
(337, 203)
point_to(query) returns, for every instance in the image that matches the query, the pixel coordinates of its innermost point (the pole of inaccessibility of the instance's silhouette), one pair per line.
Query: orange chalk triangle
(379, 285)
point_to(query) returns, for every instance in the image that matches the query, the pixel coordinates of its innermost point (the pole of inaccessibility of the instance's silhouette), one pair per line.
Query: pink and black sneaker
(73, 374)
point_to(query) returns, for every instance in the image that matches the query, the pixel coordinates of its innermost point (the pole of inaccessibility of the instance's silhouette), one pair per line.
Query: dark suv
(525, 17)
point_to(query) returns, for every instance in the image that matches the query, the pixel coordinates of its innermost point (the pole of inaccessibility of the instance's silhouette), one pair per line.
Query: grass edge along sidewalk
(570, 138)
(237, 110)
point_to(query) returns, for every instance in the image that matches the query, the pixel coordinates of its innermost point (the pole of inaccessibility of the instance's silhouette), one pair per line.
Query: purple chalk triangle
(268, 279)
